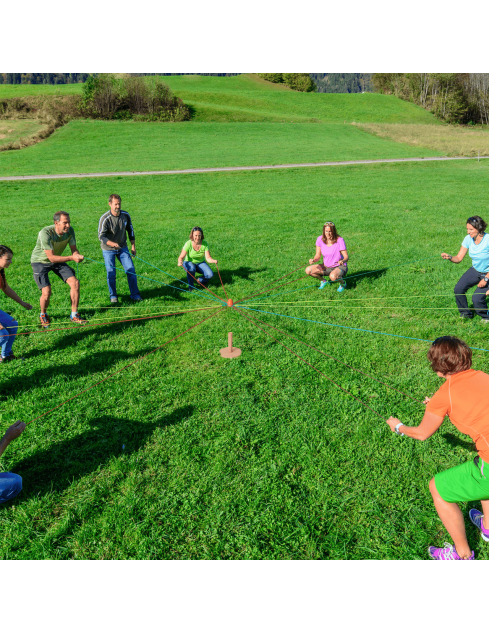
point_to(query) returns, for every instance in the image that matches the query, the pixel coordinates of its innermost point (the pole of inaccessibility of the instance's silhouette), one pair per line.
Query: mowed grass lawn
(98, 146)
(188, 455)
(248, 122)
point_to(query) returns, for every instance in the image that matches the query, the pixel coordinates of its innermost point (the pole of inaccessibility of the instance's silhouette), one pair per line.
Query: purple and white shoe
(476, 518)
(446, 553)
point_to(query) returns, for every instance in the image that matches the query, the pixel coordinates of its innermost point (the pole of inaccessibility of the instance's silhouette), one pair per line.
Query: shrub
(301, 82)
(140, 98)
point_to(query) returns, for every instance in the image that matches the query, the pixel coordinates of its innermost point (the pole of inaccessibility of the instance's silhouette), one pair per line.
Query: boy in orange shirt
(451, 359)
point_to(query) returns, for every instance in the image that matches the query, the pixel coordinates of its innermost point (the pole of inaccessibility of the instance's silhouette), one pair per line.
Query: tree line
(342, 82)
(43, 78)
(452, 97)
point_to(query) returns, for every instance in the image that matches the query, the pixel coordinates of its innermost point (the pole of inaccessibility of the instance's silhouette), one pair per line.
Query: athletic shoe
(485, 320)
(11, 357)
(323, 284)
(45, 321)
(446, 553)
(476, 518)
(341, 287)
(114, 300)
(3, 359)
(471, 316)
(137, 299)
(78, 320)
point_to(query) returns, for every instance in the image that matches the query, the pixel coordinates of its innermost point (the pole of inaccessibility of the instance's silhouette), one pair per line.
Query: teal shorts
(465, 483)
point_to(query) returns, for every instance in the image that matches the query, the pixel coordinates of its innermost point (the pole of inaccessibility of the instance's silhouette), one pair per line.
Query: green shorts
(465, 483)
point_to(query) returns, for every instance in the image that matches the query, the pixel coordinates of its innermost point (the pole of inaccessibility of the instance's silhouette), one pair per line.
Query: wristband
(397, 429)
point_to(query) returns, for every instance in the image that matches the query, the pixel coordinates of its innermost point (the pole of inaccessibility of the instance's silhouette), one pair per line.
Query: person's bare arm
(58, 259)
(317, 257)
(12, 432)
(181, 257)
(344, 257)
(455, 258)
(9, 292)
(430, 423)
(209, 258)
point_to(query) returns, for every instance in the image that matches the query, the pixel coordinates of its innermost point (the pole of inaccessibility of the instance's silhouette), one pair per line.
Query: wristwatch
(486, 279)
(397, 429)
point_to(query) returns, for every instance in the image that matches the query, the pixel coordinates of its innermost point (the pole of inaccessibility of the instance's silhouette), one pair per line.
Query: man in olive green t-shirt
(46, 257)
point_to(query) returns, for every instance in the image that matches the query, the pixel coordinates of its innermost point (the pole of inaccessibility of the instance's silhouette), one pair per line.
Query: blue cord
(323, 323)
(182, 290)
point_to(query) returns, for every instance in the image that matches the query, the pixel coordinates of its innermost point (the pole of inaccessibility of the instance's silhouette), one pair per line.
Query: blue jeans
(202, 268)
(125, 259)
(10, 486)
(11, 327)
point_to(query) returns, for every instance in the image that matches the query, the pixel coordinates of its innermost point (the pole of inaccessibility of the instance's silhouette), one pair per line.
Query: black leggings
(471, 278)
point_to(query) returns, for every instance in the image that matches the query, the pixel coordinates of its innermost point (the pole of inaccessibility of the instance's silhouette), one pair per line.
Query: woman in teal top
(194, 253)
(476, 242)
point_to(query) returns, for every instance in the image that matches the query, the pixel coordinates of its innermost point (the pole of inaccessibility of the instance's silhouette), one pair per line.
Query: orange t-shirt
(464, 397)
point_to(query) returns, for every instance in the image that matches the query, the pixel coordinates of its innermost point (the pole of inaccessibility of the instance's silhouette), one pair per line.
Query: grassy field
(13, 131)
(451, 140)
(188, 455)
(130, 146)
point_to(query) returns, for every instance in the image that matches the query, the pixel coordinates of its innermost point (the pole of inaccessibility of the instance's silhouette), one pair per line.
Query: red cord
(126, 366)
(274, 288)
(203, 285)
(278, 280)
(314, 368)
(221, 281)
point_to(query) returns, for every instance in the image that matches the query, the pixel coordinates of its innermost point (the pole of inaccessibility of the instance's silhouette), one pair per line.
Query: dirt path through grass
(239, 169)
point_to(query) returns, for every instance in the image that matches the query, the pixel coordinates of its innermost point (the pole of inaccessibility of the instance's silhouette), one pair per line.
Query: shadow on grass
(453, 441)
(55, 468)
(75, 334)
(99, 362)
(358, 276)
(243, 272)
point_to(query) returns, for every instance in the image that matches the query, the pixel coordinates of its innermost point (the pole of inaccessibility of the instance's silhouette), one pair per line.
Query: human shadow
(75, 334)
(85, 367)
(453, 441)
(243, 272)
(358, 276)
(55, 468)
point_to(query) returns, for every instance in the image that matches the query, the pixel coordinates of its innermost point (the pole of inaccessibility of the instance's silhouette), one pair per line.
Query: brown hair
(58, 214)
(112, 196)
(449, 355)
(477, 223)
(3, 251)
(331, 225)
(191, 236)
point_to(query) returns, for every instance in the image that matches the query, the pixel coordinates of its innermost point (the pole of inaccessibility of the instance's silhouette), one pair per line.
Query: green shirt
(48, 240)
(196, 257)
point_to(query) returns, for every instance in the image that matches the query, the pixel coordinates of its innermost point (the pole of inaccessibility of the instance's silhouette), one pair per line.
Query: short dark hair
(112, 196)
(449, 355)
(477, 223)
(191, 236)
(58, 214)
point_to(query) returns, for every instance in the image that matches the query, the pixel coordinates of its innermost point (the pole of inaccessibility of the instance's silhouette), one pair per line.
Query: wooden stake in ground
(230, 352)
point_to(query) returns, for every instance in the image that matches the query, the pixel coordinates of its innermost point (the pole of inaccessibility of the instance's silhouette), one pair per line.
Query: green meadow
(186, 455)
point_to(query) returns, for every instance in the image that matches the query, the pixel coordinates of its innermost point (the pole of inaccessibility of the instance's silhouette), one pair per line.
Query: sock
(43, 313)
(73, 314)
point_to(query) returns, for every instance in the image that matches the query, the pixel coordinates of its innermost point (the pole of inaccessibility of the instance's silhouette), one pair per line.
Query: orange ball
(230, 302)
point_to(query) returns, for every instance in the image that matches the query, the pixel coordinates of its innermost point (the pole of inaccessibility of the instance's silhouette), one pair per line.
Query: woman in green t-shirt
(193, 258)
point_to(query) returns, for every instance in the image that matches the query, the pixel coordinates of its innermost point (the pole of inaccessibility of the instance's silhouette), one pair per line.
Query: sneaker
(138, 298)
(78, 320)
(446, 553)
(476, 518)
(114, 300)
(485, 320)
(341, 287)
(45, 321)
(464, 316)
(323, 284)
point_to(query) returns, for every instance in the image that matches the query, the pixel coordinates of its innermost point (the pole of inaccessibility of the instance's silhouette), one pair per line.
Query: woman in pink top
(333, 249)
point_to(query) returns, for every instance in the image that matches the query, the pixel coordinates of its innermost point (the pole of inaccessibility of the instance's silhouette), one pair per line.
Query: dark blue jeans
(10, 486)
(127, 264)
(202, 268)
